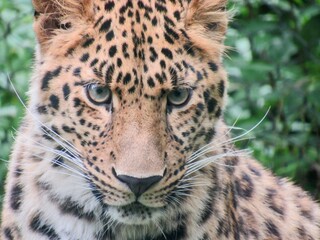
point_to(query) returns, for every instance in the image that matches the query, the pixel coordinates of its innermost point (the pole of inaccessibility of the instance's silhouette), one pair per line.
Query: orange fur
(199, 15)
(53, 13)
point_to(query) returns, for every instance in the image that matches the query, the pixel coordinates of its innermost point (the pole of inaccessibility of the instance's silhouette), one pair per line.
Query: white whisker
(56, 152)
(197, 165)
(214, 147)
(67, 167)
(160, 228)
(65, 144)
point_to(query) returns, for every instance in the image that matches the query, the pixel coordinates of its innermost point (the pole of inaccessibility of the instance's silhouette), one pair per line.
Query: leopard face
(128, 91)
(123, 136)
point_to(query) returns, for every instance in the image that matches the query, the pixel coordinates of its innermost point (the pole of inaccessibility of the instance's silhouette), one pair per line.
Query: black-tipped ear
(206, 24)
(52, 16)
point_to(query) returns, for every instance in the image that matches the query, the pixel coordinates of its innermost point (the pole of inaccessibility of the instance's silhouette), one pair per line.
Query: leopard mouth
(134, 213)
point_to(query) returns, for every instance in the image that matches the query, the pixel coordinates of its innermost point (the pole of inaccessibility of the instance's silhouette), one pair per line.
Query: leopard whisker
(109, 224)
(234, 139)
(212, 148)
(42, 124)
(67, 167)
(4, 160)
(160, 228)
(196, 184)
(183, 194)
(197, 165)
(59, 153)
(70, 148)
(75, 156)
(195, 179)
(175, 199)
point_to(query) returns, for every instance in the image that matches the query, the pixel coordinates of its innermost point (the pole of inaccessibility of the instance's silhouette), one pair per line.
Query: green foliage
(274, 63)
(16, 44)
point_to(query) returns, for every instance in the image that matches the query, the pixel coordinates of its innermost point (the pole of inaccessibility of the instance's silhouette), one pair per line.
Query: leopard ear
(206, 24)
(56, 17)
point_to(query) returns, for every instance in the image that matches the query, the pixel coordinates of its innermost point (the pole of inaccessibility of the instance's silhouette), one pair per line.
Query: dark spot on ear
(212, 26)
(65, 26)
(50, 24)
(36, 14)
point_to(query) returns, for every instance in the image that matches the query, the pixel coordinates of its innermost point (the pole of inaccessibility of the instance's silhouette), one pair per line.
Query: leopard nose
(138, 185)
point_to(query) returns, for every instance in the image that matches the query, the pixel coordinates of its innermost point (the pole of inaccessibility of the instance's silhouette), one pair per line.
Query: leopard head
(130, 89)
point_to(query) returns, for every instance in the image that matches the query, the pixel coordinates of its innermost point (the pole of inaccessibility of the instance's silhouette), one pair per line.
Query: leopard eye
(99, 94)
(179, 97)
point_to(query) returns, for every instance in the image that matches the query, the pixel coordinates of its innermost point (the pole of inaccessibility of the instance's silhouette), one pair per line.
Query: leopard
(124, 136)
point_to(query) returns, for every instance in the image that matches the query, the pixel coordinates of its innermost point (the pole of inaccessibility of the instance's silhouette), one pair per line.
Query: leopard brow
(182, 83)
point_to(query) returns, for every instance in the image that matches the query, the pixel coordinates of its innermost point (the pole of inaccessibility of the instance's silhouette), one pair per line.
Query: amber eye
(99, 94)
(179, 97)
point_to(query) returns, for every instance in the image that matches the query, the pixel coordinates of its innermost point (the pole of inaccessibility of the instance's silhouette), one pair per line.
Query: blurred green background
(274, 62)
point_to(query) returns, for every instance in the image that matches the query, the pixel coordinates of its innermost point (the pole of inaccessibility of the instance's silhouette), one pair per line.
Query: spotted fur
(74, 155)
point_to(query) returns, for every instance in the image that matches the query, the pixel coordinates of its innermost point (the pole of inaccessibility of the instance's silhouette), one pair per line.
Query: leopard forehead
(156, 45)
(130, 47)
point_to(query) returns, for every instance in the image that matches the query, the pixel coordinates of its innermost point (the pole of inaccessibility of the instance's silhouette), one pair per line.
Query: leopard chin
(135, 214)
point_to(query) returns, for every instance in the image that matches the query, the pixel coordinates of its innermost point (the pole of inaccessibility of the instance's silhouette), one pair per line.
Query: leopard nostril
(138, 185)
